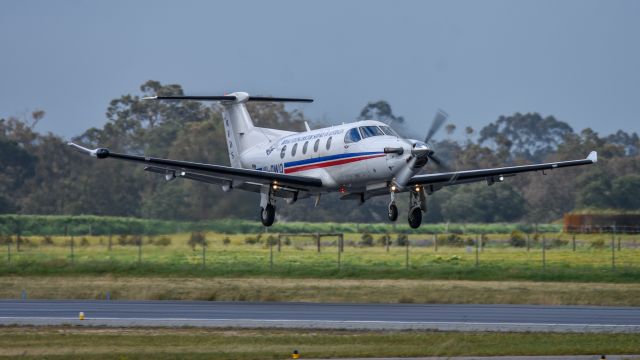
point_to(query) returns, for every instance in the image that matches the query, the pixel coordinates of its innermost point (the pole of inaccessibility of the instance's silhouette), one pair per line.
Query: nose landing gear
(393, 208)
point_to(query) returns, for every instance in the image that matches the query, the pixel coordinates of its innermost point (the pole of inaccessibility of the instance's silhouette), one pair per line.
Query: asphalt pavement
(325, 316)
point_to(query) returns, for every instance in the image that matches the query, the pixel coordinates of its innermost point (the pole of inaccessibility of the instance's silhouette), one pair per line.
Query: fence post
(9, 251)
(339, 243)
(406, 259)
(71, 247)
(544, 252)
(528, 242)
(139, 249)
(613, 250)
(318, 241)
(435, 242)
(619, 239)
(573, 239)
(279, 241)
(387, 240)
(477, 251)
(110, 243)
(18, 234)
(270, 256)
(204, 254)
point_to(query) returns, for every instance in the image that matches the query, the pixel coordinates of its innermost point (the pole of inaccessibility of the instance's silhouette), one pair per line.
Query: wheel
(393, 212)
(415, 217)
(268, 215)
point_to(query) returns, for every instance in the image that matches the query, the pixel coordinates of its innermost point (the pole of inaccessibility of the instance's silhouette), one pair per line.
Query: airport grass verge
(189, 343)
(319, 290)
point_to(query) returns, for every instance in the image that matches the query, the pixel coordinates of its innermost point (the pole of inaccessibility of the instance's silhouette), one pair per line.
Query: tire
(268, 215)
(415, 217)
(393, 212)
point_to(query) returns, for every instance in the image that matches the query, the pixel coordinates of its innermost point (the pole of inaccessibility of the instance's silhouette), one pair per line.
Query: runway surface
(327, 316)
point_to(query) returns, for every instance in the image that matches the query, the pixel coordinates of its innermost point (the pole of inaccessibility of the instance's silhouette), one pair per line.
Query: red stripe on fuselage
(329, 163)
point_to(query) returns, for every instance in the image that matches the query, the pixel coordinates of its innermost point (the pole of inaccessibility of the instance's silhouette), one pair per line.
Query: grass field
(590, 262)
(114, 343)
(319, 290)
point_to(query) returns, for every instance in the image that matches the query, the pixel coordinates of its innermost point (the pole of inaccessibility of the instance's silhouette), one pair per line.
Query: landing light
(501, 178)
(275, 186)
(394, 188)
(417, 188)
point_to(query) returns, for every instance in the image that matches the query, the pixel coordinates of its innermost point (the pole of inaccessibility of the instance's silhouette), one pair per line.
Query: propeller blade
(436, 124)
(403, 176)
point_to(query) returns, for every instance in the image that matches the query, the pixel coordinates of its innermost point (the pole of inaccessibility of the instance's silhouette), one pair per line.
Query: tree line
(42, 175)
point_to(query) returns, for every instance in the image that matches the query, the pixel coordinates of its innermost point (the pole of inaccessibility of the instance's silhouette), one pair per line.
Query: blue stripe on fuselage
(326, 158)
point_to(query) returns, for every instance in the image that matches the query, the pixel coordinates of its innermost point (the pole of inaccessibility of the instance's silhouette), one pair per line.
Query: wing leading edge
(493, 175)
(215, 174)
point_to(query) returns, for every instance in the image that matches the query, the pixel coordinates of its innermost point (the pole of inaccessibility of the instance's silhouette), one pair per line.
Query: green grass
(497, 261)
(108, 343)
(30, 225)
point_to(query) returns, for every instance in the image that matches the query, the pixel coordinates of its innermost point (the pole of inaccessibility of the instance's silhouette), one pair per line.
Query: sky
(576, 60)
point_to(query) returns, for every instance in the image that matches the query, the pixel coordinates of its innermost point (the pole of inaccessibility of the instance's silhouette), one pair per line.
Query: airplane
(358, 160)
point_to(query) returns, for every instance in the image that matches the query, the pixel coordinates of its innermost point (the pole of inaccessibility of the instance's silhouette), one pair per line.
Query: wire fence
(440, 255)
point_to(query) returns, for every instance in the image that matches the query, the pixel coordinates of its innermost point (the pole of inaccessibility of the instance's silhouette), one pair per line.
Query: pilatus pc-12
(359, 160)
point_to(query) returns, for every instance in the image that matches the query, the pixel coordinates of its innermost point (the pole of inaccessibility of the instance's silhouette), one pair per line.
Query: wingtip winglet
(150, 98)
(593, 156)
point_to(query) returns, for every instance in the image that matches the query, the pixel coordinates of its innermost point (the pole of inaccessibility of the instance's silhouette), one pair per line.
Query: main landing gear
(267, 207)
(417, 205)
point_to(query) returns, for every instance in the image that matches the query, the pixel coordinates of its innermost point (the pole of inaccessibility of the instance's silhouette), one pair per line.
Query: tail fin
(238, 126)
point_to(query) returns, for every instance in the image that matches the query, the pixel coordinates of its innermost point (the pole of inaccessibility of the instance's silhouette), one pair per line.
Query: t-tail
(239, 129)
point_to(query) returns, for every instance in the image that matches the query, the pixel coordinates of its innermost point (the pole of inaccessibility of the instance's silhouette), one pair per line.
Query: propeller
(421, 152)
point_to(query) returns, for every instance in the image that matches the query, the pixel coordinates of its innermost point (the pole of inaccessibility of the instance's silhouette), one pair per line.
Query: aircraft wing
(439, 180)
(246, 179)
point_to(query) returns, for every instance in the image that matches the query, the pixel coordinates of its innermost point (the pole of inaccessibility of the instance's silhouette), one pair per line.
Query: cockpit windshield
(389, 131)
(368, 131)
(352, 136)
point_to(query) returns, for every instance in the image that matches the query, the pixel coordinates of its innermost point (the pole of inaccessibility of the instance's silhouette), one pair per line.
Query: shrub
(226, 241)
(162, 241)
(287, 241)
(47, 240)
(197, 238)
(122, 240)
(252, 240)
(366, 239)
(557, 243)
(517, 239)
(382, 240)
(451, 240)
(597, 244)
(84, 242)
(402, 240)
(272, 240)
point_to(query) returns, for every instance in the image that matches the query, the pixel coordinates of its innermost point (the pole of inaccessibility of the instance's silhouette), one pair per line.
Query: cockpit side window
(389, 131)
(368, 131)
(352, 136)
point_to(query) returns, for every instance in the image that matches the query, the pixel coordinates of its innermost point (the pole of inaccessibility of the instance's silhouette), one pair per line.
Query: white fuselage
(342, 159)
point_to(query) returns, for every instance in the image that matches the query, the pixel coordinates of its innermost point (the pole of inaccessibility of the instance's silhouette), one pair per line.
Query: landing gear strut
(417, 204)
(267, 208)
(393, 208)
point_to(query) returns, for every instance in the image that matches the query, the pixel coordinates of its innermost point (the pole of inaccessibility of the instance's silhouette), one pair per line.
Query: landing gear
(417, 204)
(268, 215)
(267, 208)
(393, 212)
(393, 209)
(415, 217)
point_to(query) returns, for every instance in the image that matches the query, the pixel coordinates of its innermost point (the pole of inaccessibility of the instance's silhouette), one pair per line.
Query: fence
(579, 256)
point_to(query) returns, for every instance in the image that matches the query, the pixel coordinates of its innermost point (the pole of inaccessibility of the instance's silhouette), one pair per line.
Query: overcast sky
(576, 60)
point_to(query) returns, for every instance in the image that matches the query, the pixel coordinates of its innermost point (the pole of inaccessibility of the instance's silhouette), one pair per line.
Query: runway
(322, 316)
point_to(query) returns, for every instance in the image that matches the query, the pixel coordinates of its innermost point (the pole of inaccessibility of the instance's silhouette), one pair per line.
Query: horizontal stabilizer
(229, 98)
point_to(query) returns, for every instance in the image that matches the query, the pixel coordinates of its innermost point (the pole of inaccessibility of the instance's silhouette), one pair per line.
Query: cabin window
(352, 136)
(294, 149)
(283, 151)
(316, 145)
(389, 131)
(369, 131)
(329, 143)
(304, 147)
